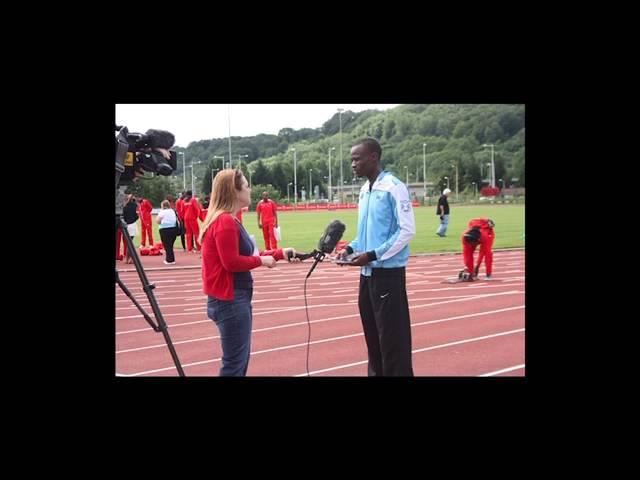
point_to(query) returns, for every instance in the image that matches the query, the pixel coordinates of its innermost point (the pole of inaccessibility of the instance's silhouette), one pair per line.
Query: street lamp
(502, 180)
(475, 189)
(240, 161)
(184, 173)
(288, 185)
(353, 195)
(193, 189)
(340, 110)
(295, 177)
(330, 194)
(406, 169)
(310, 185)
(493, 166)
(447, 179)
(456, 180)
(424, 169)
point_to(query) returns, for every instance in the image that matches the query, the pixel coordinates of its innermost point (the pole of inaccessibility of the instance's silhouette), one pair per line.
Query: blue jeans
(444, 223)
(233, 319)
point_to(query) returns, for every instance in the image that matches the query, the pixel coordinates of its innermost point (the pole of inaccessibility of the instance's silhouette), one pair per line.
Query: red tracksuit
(487, 236)
(267, 211)
(191, 211)
(120, 241)
(145, 221)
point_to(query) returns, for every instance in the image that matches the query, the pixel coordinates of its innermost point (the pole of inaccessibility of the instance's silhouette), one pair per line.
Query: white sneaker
(168, 263)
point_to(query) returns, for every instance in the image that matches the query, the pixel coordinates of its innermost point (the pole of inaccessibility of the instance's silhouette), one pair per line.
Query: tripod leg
(146, 316)
(148, 290)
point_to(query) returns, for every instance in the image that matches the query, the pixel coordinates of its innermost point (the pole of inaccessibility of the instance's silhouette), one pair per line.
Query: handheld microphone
(327, 243)
(331, 236)
(301, 256)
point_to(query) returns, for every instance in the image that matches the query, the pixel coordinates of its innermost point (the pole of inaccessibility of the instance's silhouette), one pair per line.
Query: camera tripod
(148, 290)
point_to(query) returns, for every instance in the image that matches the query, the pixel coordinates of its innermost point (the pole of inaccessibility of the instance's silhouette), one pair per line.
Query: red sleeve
(278, 254)
(228, 245)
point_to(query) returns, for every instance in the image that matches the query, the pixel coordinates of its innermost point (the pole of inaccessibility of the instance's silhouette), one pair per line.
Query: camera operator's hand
(165, 152)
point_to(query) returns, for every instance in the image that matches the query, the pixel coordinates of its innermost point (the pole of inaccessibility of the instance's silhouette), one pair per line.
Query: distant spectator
(443, 211)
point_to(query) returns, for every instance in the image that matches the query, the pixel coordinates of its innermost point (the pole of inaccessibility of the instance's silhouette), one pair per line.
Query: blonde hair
(224, 197)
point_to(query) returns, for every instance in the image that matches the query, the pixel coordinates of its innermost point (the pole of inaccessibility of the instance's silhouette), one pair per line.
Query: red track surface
(464, 329)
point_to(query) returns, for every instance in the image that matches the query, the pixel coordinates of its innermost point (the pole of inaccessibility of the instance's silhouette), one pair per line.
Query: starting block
(458, 280)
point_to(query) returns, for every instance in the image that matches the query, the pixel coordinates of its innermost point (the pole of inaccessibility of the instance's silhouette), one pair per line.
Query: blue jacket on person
(386, 223)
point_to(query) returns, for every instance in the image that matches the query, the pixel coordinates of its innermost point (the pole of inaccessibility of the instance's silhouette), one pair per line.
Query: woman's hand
(268, 261)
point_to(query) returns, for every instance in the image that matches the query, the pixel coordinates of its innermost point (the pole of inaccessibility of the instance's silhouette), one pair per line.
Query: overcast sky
(193, 122)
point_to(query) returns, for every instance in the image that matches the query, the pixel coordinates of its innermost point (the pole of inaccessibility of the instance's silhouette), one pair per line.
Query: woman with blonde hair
(228, 255)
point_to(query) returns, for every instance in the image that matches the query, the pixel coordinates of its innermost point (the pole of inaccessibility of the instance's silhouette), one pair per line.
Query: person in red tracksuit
(191, 210)
(145, 221)
(180, 212)
(267, 220)
(481, 232)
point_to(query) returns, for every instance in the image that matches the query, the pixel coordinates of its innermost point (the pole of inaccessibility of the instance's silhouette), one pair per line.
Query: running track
(463, 329)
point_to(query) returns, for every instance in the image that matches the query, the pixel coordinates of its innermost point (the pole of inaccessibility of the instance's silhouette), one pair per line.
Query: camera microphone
(159, 139)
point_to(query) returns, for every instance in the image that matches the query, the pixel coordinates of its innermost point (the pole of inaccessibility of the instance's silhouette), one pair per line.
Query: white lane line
(420, 350)
(504, 370)
(288, 309)
(331, 339)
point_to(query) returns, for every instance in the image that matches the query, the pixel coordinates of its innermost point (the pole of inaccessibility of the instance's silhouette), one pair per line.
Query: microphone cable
(304, 256)
(306, 309)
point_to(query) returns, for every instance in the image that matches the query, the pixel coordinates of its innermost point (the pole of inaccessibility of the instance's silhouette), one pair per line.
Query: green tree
(389, 128)
(261, 174)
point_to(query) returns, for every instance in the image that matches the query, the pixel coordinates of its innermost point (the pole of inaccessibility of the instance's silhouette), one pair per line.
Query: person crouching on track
(228, 255)
(479, 232)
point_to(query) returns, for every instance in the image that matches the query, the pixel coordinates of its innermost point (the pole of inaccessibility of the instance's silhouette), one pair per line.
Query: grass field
(303, 229)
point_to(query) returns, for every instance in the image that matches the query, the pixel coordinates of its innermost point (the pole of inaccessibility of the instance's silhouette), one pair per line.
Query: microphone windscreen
(160, 138)
(331, 236)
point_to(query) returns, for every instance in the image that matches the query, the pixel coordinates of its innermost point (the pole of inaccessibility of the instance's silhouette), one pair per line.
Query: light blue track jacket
(386, 223)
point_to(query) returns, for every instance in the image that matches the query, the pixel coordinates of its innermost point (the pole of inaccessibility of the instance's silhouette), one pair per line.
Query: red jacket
(145, 209)
(221, 257)
(267, 211)
(180, 208)
(191, 209)
(485, 241)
